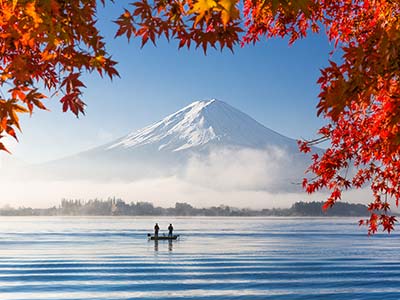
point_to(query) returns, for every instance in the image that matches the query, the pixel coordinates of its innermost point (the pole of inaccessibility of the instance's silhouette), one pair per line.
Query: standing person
(170, 230)
(156, 229)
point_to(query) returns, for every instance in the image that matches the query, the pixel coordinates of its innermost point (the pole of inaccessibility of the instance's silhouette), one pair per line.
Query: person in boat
(156, 229)
(170, 230)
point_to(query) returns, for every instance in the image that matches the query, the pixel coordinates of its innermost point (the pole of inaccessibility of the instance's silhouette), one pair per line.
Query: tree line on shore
(118, 207)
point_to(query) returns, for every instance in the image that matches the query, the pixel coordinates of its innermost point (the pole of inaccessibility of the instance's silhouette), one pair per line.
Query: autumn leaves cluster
(45, 46)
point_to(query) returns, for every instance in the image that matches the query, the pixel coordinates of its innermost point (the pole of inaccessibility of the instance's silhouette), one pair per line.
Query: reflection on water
(156, 242)
(155, 245)
(215, 258)
(163, 242)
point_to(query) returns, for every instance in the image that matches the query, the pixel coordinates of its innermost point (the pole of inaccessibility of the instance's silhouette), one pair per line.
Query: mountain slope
(207, 143)
(200, 124)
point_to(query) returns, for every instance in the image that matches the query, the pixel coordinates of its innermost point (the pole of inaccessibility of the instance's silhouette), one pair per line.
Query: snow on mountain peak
(201, 123)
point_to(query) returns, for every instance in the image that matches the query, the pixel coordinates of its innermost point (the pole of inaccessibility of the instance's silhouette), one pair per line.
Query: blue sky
(272, 82)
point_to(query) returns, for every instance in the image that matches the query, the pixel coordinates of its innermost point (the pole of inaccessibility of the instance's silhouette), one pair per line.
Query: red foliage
(46, 43)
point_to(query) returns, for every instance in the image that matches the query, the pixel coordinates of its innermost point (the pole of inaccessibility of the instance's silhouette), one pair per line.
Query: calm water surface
(216, 258)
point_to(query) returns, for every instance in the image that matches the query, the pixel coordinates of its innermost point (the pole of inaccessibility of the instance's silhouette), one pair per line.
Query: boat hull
(161, 237)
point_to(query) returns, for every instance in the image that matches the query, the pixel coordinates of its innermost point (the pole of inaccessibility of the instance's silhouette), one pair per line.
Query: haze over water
(216, 258)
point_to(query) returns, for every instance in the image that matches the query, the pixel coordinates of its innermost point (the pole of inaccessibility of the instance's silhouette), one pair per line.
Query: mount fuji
(200, 125)
(210, 136)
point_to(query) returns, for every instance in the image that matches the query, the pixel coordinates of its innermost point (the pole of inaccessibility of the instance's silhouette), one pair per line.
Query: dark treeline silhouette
(117, 207)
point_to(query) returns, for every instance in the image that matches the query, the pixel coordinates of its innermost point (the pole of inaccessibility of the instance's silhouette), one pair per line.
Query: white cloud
(272, 169)
(163, 191)
(241, 178)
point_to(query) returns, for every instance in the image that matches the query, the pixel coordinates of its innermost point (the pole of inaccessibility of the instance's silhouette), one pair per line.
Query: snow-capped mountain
(201, 124)
(205, 141)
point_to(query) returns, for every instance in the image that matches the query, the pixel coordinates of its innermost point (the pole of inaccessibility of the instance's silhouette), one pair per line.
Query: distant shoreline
(183, 217)
(117, 207)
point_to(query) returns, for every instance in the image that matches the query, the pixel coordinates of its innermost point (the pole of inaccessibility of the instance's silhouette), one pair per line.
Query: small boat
(162, 237)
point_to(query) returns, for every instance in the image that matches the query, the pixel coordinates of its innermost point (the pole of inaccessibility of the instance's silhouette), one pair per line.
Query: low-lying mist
(237, 177)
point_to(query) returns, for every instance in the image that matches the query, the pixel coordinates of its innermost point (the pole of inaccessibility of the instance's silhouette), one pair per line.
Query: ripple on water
(216, 258)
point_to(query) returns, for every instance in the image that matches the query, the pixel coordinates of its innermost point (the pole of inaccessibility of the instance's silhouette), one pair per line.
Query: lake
(93, 258)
